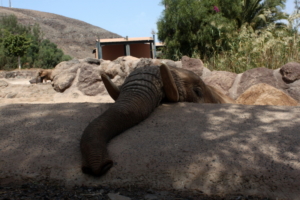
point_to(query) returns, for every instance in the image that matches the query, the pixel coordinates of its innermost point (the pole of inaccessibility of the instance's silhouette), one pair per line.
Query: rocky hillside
(76, 38)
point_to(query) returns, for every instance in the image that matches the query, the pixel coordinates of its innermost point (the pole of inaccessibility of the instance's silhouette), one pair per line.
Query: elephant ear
(169, 85)
(111, 88)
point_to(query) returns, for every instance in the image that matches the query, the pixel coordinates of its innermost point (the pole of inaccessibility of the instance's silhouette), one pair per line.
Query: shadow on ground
(215, 149)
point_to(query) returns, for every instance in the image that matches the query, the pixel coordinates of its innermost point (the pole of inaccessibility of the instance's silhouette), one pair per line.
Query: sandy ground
(200, 149)
(21, 91)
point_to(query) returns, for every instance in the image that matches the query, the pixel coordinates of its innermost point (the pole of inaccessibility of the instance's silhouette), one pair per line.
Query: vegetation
(25, 44)
(230, 35)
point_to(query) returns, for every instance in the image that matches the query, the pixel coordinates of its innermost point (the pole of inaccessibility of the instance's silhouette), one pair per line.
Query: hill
(76, 38)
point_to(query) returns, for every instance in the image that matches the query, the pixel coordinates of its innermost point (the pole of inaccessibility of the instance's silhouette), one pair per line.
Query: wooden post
(127, 50)
(19, 62)
(99, 49)
(154, 47)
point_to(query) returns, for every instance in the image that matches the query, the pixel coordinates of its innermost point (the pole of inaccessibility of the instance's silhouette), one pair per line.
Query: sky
(132, 18)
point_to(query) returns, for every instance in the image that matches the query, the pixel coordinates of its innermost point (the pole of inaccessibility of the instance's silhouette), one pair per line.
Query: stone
(290, 72)
(93, 61)
(221, 80)
(294, 90)
(3, 84)
(21, 74)
(205, 73)
(193, 64)
(254, 76)
(264, 94)
(2, 74)
(64, 74)
(11, 95)
(89, 80)
(178, 64)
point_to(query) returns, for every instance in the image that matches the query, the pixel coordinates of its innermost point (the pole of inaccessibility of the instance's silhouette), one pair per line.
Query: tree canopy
(204, 27)
(27, 44)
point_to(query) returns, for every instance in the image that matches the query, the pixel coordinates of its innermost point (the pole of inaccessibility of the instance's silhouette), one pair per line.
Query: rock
(290, 72)
(178, 64)
(205, 73)
(2, 74)
(170, 63)
(35, 80)
(294, 90)
(144, 62)
(117, 197)
(193, 64)
(264, 94)
(11, 95)
(93, 61)
(23, 73)
(255, 76)
(89, 80)
(280, 84)
(3, 84)
(221, 80)
(64, 75)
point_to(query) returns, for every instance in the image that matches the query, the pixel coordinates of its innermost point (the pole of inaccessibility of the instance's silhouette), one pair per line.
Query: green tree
(49, 55)
(204, 28)
(16, 45)
(40, 53)
(192, 27)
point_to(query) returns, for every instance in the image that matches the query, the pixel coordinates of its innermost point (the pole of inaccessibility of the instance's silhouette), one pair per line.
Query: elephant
(42, 76)
(142, 91)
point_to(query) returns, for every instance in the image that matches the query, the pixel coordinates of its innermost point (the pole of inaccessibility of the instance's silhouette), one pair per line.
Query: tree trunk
(19, 62)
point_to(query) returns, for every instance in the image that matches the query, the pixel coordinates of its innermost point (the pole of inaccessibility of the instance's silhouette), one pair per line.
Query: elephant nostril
(98, 172)
(86, 170)
(106, 167)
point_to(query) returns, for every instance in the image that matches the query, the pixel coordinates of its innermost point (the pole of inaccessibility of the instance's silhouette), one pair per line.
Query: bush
(40, 53)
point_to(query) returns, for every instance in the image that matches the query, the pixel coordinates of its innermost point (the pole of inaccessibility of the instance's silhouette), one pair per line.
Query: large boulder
(255, 76)
(294, 90)
(264, 94)
(64, 74)
(221, 80)
(193, 64)
(290, 72)
(89, 80)
(3, 84)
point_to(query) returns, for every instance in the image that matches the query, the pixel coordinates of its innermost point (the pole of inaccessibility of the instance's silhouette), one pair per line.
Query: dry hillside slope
(76, 38)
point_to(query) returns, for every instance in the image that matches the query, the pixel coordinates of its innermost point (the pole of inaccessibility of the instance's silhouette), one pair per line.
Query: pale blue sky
(132, 18)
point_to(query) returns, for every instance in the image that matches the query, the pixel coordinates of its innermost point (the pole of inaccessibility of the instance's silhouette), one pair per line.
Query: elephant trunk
(140, 94)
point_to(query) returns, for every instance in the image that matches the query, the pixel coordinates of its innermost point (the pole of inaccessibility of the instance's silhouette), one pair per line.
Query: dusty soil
(41, 191)
(36, 190)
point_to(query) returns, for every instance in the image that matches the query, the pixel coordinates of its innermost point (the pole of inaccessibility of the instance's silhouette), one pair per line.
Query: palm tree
(259, 13)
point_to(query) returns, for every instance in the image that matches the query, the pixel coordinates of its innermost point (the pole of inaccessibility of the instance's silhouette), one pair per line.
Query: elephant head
(143, 90)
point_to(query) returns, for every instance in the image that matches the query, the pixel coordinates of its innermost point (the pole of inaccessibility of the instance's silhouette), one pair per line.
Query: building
(110, 49)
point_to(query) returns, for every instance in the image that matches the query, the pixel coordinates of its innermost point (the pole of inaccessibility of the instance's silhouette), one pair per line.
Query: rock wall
(80, 80)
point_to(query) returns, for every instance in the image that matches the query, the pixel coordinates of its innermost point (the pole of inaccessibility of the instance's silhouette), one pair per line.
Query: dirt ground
(32, 189)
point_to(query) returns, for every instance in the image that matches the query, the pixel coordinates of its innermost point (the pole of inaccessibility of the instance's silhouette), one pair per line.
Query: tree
(38, 54)
(16, 45)
(202, 27)
(191, 27)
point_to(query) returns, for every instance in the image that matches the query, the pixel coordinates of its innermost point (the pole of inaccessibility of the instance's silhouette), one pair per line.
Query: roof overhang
(112, 41)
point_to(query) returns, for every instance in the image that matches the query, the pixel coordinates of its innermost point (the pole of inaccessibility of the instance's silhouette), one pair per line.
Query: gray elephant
(143, 90)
